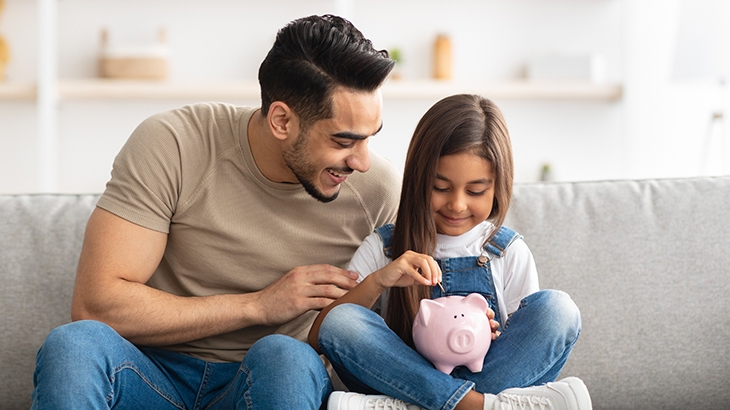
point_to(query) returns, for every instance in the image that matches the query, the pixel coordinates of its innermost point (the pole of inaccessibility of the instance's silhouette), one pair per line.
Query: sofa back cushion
(648, 264)
(40, 241)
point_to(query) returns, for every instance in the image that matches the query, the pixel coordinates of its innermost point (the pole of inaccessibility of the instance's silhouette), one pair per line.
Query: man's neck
(266, 150)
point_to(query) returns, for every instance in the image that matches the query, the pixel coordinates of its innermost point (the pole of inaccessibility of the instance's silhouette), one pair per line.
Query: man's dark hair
(311, 57)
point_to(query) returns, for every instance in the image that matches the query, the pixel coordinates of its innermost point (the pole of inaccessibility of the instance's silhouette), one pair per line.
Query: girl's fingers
(429, 270)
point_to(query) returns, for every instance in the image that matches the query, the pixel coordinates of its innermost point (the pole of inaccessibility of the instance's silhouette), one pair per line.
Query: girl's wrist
(377, 283)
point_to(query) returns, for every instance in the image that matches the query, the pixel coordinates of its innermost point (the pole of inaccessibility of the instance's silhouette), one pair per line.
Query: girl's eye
(437, 189)
(472, 193)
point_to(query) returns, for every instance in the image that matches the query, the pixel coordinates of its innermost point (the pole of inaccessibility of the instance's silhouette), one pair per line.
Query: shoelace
(523, 402)
(385, 404)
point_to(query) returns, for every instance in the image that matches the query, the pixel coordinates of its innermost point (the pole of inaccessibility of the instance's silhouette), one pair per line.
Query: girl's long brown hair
(456, 124)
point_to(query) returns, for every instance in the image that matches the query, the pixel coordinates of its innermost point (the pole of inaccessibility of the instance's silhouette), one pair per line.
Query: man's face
(322, 157)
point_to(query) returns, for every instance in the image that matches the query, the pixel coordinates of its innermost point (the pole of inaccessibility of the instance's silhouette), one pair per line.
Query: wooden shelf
(505, 90)
(246, 90)
(160, 90)
(17, 91)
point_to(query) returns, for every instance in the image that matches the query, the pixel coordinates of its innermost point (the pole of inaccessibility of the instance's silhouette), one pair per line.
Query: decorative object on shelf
(145, 62)
(4, 49)
(567, 67)
(442, 57)
(396, 55)
(546, 172)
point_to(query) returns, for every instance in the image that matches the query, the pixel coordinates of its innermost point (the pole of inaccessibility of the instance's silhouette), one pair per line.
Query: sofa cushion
(647, 262)
(40, 241)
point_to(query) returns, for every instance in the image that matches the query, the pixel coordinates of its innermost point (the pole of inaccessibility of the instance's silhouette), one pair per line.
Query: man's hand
(302, 289)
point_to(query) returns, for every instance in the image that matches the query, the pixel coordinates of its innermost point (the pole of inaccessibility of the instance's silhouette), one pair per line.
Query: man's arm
(118, 258)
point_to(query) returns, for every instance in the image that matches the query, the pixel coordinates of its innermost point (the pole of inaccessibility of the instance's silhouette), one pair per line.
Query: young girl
(448, 239)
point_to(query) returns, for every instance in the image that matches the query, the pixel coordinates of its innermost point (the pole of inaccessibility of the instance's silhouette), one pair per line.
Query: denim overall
(464, 275)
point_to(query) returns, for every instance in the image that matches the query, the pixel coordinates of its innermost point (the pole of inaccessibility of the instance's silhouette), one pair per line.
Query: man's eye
(345, 144)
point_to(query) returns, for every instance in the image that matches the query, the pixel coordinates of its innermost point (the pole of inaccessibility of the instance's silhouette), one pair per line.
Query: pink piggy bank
(452, 331)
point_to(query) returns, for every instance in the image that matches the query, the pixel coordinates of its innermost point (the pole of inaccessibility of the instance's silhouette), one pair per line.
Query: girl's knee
(558, 310)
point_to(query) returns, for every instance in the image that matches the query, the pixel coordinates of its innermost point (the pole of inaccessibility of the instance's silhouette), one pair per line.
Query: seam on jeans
(458, 395)
(203, 385)
(230, 386)
(132, 367)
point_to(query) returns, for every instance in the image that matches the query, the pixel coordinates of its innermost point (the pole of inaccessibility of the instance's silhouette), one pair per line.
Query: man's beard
(304, 171)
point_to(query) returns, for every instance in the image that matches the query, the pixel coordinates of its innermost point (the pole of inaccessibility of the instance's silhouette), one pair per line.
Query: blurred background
(591, 89)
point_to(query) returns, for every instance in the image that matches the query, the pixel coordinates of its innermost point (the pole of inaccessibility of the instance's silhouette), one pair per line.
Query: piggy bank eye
(454, 316)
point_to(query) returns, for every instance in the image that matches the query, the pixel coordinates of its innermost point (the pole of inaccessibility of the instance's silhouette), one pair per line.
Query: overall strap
(386, 234)
(501, 241)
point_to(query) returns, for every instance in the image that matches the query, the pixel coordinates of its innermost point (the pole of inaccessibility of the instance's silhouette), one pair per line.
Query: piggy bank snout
(462, 340)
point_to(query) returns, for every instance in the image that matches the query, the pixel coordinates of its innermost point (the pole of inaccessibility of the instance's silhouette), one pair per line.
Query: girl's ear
(282, 121)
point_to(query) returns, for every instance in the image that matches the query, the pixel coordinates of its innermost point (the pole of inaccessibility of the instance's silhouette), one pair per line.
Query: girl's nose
(457, 202)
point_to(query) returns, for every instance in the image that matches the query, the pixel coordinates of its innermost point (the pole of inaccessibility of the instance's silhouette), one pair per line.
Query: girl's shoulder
(501, 241)
(385, 233)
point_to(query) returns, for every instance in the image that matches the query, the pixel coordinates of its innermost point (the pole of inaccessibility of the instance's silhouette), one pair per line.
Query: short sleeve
(369, 257)
(146, 175)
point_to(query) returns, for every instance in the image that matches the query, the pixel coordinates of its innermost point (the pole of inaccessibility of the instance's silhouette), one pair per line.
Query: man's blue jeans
(87, 365)
(370, 358)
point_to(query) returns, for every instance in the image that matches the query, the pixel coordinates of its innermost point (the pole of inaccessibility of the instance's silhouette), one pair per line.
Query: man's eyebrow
(353, 136)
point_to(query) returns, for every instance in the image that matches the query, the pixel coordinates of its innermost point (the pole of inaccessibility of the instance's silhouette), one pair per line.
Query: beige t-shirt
(190, 173)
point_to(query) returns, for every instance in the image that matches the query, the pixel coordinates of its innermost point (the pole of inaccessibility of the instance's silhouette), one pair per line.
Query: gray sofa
(648, 263)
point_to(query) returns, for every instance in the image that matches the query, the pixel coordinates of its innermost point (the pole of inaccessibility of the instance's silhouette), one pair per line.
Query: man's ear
(282, 121)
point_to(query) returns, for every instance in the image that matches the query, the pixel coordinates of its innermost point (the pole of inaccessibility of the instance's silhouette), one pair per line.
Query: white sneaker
(567, 394)
(341, 400)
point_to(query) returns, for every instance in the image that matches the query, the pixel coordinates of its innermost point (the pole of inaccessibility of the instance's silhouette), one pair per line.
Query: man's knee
(78, 339)
(285, 349)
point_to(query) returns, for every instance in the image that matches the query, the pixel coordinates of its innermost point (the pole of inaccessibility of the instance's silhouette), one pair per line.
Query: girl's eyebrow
(476, 181)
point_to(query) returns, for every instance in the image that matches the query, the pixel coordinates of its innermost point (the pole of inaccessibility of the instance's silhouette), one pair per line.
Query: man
(222, 232)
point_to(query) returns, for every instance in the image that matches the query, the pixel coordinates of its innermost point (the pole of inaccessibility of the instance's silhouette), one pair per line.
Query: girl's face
(463, 193)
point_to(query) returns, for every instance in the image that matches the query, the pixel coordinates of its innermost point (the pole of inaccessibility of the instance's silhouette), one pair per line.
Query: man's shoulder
(201, 112)
(378, 189)
(382, 173)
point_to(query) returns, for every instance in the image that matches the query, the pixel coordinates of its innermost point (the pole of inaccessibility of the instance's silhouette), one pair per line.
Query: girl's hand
(409, 269)
(493, 324)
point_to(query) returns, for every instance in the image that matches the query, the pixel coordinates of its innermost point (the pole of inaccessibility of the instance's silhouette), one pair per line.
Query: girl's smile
(463, 193)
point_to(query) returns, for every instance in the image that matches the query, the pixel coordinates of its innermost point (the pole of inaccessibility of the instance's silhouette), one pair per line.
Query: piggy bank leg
(476, 366)
(446, 368)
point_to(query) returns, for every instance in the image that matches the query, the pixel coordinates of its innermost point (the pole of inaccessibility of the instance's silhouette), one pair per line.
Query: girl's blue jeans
(370, 358)
(87, 365)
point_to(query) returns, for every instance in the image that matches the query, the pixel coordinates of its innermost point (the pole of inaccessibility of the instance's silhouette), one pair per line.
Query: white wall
(656, 130)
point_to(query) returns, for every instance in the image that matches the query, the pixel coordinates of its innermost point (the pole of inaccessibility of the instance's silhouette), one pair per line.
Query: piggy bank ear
(426, 309)
(476, 300)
